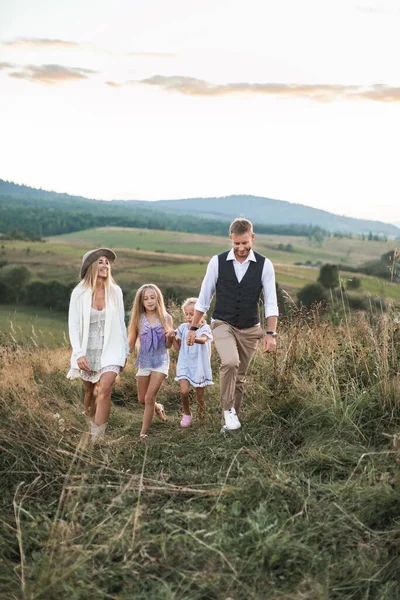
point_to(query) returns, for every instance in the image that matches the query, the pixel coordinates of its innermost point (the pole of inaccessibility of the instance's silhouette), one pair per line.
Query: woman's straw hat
(93, 255)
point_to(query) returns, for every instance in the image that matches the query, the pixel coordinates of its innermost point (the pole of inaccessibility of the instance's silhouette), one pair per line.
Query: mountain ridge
(262, 210)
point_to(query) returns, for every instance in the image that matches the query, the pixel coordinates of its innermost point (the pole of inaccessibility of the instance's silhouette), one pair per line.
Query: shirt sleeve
(74, 329)
(179, 332)
(268, 282)
(208, 286)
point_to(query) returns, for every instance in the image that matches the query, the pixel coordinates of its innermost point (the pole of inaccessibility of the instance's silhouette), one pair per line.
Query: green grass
(348, 251)
(179, 260)
(39, 327)
(300, 504)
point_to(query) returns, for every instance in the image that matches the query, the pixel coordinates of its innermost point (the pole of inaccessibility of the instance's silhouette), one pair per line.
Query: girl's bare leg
(103, 400)
(89, 399)
(156, 380)
(201, 405)
(184, 385)
(142, 385)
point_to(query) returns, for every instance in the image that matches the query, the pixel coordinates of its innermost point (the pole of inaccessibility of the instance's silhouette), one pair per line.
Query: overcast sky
(162, 99)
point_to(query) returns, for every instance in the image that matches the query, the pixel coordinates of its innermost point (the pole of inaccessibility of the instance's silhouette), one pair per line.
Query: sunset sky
(162, 99)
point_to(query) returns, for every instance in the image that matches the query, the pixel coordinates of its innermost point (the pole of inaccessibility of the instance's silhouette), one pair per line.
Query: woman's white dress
(94, 350)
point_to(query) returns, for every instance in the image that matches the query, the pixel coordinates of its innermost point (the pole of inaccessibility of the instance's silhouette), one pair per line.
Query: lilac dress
(194, 361)
(153, 352)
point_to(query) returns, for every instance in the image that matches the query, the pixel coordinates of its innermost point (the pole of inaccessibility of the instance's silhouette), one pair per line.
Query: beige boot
(97, 431)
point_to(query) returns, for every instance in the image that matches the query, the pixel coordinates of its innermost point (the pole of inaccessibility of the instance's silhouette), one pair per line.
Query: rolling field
(178, 260)
(349, 251)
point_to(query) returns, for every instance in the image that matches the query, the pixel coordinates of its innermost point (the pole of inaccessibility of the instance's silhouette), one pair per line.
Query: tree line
(24, 218)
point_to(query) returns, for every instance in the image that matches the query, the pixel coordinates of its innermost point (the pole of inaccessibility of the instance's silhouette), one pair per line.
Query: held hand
(83, 363)
(191, 336)
(170, 335)
(269, 343)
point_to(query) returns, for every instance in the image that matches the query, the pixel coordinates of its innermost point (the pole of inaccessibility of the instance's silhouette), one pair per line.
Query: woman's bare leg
(103, 400)
(89, 399)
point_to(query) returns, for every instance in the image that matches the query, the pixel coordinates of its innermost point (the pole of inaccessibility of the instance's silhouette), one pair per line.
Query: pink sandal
(186, 421)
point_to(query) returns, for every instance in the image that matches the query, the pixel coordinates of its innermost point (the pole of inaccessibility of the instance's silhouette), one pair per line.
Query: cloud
(151, 54)
(40, 43)
(378, 10)
(6, 65)
(51, 74)
(191, 86)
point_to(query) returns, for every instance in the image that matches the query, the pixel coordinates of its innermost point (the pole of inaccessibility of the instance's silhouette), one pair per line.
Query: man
(237, 277)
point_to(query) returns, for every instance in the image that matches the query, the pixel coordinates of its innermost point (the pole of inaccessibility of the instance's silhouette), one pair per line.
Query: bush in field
(312, 293)
(329, 276)
(49, 294)
(353, 284)
(14, 281)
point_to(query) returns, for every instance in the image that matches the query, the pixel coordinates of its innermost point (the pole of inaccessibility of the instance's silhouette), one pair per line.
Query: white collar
(231, 256)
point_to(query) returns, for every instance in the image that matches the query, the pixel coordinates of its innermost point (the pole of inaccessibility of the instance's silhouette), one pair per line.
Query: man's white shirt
(267, 278)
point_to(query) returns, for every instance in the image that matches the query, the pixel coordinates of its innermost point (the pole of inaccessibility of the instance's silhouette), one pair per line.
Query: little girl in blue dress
(193, 367)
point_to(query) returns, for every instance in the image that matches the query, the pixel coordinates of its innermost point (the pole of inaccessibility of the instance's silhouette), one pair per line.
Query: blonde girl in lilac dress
(150, 324)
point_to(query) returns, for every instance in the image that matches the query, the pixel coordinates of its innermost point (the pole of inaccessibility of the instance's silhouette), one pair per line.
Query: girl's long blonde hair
(138, 309)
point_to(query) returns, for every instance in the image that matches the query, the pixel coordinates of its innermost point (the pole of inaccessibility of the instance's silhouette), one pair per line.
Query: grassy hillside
(178, 260)
(350, 251)
(300, 504)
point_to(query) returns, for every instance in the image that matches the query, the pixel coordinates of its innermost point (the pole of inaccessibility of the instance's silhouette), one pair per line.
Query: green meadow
(34, 326)
(178, 260)
(301, 503)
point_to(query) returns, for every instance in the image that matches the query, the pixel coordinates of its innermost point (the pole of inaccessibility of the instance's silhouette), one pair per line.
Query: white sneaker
(231, 419)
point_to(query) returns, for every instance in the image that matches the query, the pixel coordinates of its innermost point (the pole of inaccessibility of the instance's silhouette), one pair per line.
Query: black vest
(237, 303)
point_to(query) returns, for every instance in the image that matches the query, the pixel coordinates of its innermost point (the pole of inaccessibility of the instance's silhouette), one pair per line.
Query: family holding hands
(101, 344)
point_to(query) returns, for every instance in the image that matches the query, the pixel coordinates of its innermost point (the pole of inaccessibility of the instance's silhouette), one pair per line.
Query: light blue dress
(194, 361)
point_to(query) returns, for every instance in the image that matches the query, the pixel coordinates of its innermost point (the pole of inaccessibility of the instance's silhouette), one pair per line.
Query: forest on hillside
(30, 218)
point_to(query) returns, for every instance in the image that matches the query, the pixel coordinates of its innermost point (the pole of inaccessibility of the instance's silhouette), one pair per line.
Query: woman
(98, 335)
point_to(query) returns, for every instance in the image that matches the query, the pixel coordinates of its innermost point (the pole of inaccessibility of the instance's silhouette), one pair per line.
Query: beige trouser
(236, 348)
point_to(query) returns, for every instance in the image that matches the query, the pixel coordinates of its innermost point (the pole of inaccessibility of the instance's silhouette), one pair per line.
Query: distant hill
(264, 212)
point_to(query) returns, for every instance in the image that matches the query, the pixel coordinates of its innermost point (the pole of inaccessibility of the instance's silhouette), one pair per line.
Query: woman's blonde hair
(138, 308)
(190, 302)
(91, 276)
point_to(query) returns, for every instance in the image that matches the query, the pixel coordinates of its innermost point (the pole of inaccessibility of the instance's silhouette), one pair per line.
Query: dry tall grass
(301, 503)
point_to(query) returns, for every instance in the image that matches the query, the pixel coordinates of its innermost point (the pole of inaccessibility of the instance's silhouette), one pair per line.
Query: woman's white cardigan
(115, 345)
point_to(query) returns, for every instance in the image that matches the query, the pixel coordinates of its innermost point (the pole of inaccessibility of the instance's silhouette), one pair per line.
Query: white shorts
(147, 372)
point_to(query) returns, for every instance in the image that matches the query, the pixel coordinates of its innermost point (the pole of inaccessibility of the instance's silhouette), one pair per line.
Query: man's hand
(191, 336)
(269, 343)
(83, 363)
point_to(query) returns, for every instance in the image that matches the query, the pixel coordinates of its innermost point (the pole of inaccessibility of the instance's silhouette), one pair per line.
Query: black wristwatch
(273, 333)
(193, 328)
